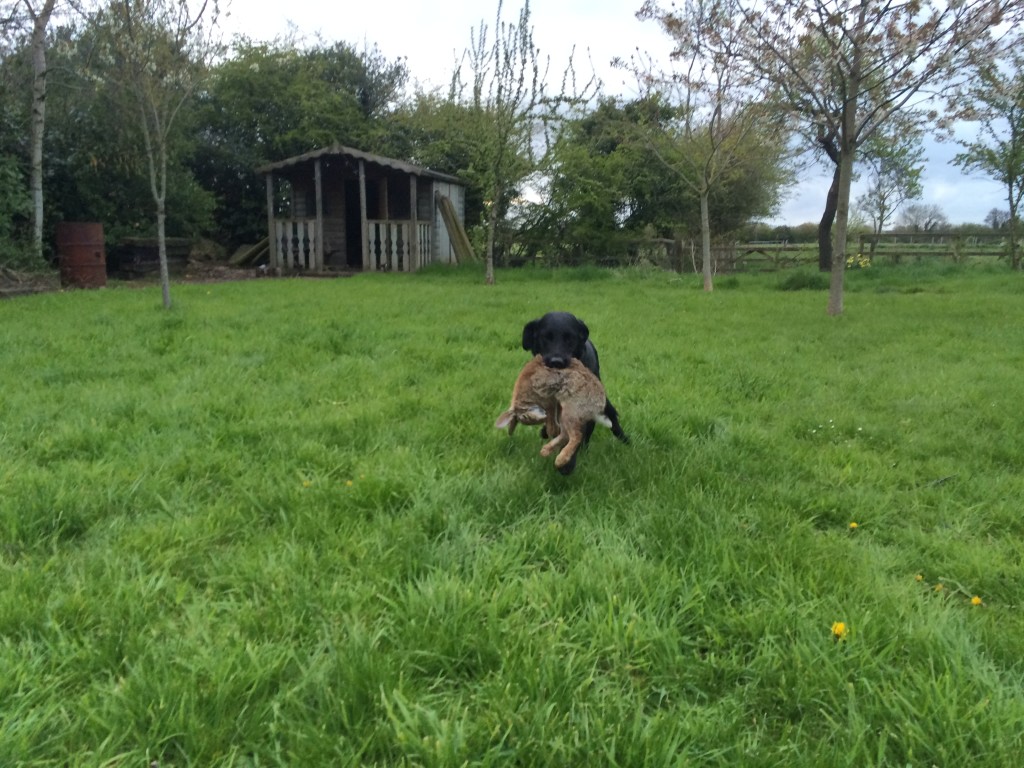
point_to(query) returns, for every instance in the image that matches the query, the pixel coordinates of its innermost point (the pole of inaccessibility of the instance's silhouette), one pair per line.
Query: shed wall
(443, 252)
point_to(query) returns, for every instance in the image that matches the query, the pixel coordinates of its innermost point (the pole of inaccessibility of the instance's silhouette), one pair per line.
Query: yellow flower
(939, 587)
(839, 630)
(976, 600)
(348, 483)
(919, 577)
(853, 526)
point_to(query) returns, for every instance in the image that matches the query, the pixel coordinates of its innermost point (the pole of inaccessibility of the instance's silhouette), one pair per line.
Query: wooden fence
(296, 241)
(757, 256)
(392, 247)
(897, 246)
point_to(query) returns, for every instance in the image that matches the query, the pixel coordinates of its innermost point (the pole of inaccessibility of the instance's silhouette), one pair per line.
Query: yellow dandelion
(919, 577)
(348, 483)
(839, 630)
(976, 600)
(853, 526)
(939, 587)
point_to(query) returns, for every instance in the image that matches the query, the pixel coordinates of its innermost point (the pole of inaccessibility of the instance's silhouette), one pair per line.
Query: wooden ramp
(247, 255)
(456, 232)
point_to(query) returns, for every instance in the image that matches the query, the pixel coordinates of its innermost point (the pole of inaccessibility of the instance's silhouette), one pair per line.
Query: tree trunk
(835, 292)
(827, 220)
(161, 239)
(847, 149)
(1014, 251)
(705, 239)
(38, 121)
(492, 225)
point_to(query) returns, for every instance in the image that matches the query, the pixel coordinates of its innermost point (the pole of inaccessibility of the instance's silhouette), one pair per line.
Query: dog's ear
(530, 335)
(583, 333)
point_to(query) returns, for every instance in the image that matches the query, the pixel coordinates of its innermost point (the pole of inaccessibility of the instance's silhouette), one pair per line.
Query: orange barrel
(83, 259)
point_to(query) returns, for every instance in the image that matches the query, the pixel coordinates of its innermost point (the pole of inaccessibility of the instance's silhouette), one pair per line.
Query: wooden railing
(296, 243)
(392, 248)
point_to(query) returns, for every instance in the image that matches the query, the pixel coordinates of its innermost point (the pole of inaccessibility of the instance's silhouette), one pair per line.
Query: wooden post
(275, 259)
(387, 248)
(363, 225)
(316, 251)
(415, 259)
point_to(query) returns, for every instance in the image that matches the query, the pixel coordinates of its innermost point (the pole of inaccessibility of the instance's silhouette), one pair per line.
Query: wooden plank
(247, 255)
(459, 238)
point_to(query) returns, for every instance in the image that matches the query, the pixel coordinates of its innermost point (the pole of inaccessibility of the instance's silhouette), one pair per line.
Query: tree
(847, 67)
(157, 53)
(40, 15)
(998, 150)
(37, 14)
(269, 101)
(922, 217)
(510, 106)
(723, 122)
(894, 161)
(997, 219)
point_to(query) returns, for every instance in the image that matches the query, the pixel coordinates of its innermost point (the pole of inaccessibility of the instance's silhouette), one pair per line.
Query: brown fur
(563, 399)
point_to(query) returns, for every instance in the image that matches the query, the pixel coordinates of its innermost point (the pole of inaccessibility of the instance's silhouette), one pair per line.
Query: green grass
(275, 526)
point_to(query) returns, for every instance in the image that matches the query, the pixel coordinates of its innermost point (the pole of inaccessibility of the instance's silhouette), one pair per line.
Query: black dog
(558, 337)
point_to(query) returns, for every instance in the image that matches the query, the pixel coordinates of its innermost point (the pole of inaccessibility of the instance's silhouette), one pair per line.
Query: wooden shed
(354, 210)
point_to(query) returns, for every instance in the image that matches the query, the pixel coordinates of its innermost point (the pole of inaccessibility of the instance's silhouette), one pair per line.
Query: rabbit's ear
(508, 417)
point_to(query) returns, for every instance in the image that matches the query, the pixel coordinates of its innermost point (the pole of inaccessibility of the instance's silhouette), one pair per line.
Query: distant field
(274, 526)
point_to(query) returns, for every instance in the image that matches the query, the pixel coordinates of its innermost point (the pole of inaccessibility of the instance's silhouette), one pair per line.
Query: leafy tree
(723, 121)
(442, 133)
(848, 68)
(998, 150)
(503, 84)
(157, 53)
(269, 101)
(96, 167)
(894, 161)
(607, 188)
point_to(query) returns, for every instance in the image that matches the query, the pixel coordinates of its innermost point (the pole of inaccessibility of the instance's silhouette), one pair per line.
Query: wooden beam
(456, 233)
(316, 255)
(363, 225)
(414, 231)
(275, 258)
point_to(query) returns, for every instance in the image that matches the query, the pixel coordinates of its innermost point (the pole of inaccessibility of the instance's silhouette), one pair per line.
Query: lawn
(274, 526)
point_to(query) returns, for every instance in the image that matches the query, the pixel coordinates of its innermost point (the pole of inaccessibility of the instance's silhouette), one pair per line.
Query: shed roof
(337, 150)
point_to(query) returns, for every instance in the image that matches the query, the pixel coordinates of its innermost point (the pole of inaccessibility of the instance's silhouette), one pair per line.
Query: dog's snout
(556, 361)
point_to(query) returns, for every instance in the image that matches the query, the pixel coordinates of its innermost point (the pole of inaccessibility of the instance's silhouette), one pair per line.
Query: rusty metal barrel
(82, 255)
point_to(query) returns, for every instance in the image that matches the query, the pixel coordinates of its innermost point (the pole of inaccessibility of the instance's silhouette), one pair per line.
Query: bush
(803, 280)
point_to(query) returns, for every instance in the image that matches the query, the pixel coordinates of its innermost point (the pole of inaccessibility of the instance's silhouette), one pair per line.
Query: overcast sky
(430, 38)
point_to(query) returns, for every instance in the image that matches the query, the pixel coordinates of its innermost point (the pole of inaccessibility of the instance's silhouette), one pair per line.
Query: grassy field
(275, 526)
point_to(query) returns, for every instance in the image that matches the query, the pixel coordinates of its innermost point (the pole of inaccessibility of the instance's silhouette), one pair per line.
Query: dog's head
(558, 337)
